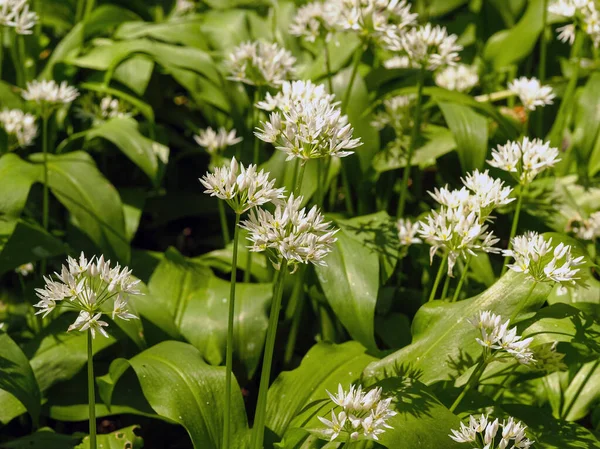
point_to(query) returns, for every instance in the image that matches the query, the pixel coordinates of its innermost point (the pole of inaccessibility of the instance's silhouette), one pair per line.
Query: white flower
(567, 8)
(486, 431)
(242, 188)
(397, 113)
(290, 233)
(306, 123)
(427, 46)
(19, 126)
(487, 193)
(460, 77)
(524, 160)
(183, 7)
(566, 33)
(88, 286)
(111, 108)
(49, 93)
(216, 141)
(457, 232)
(535, 257)
(499, 340)
(16, 14)
(315, 20)
(25, 269)
(515, 431)
(531, 93)
(586, 229)
(407, 232)
(364, 414)
(261, 64)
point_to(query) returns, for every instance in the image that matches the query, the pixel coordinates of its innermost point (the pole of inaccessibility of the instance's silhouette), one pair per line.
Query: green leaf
(509, 46)
(443, 339)
(119, 439)
(44, 438)
(93, 201)
(184, 33)
(583, 391)
(17, 378)
(10, 96)
(135, 73)
(470, 133)
(180, 386)
(20, 175)
(350, 281)
(143, 152)
(587, 120)
(323, 368)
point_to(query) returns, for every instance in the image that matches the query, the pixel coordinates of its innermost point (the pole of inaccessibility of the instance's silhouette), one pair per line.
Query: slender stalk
(438, 278)
(230, 324)
(347, 190)
(89, 7)
(79, 10)
(475, 376)
(355, 64)
(299, 177)
(45, 192)
(224, 227)
(542, 71)
(255, 160)
(325, 181)
(328, 67)
(261, 406)
(463, 276)
(91, 391)
(513, 229)
(14, 53)
(294, 311)
(413, 142)
(1, 50)
(20, 42)
(445, 287)
(319, 182)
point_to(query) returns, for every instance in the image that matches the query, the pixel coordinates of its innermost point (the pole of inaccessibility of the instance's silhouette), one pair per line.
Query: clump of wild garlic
(483, 433)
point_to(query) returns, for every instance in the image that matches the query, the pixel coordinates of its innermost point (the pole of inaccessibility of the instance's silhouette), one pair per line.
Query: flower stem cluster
(260, 63)
(364, 415)
(19, 126)
(16, 14)
(290, 233)
(483, 433)
(499, 341)
(242, 188)
(90, 287)
(306, 123)
(524, 160)
(540, 261)
(216, 141)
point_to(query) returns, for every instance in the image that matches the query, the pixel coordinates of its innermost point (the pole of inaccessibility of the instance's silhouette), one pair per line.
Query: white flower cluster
(260, 63)
(396, 113)
(586, 228)
(112, 108)
(87, 286)
(49, 94)
(16, 14)
(242, 188)
(306, 123)
(497, 339)
(290, 233)
(407, 232)
(460, 77)
(184, 7)
(363, 416)
(25, 270)
(540, 261)
(531, 92)
(315, 20)
(427, 46)
(485, 431)
(216, 141)
(459, 228)
(584, 14)
(524, 160)
(19, 126)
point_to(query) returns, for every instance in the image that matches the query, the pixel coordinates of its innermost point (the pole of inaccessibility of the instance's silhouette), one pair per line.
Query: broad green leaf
(509, 46)
(583, 391)
(17, 378)
(180, 386)
(133, 205)
(470, 133)
(350, 281)
(91, 199)
(44, 438)
(323, 368)
(20, 175)
(587, 120)
(438, 8)
(135, 73)
(184, 33)
(224, 29)
(10, 97)
(442, 336)
(119, 439)
(143, 152)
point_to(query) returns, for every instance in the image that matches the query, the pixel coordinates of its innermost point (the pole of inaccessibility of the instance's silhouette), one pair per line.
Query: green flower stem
(463, 276)
(1, 50)
(513, 229)
(89, 7)
(328, 67)
(445, 287)
(20, 42)
(473, 380)
(347, 190)
(523, 303)
(438, 278)
(542, 72)
(326, 170)
(299, 178)
(45, 192)
(294, 312)
(413, 142)
(14, 53)
(79, 10)
(258, 429)
(355, 64)
(91, 390)
(229, 347)
(224, 227)
(255, 160)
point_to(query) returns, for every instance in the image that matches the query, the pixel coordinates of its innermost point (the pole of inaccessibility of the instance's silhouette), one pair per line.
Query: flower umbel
(91, 287)
(531, 93)
(290, 233)
(49, 95)
(364, 414)
(16, 14)
(407, 232)
(260, 64)
(242, 188)
(484, 430)
(216, 141)
(460, 77)
(19, 126)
